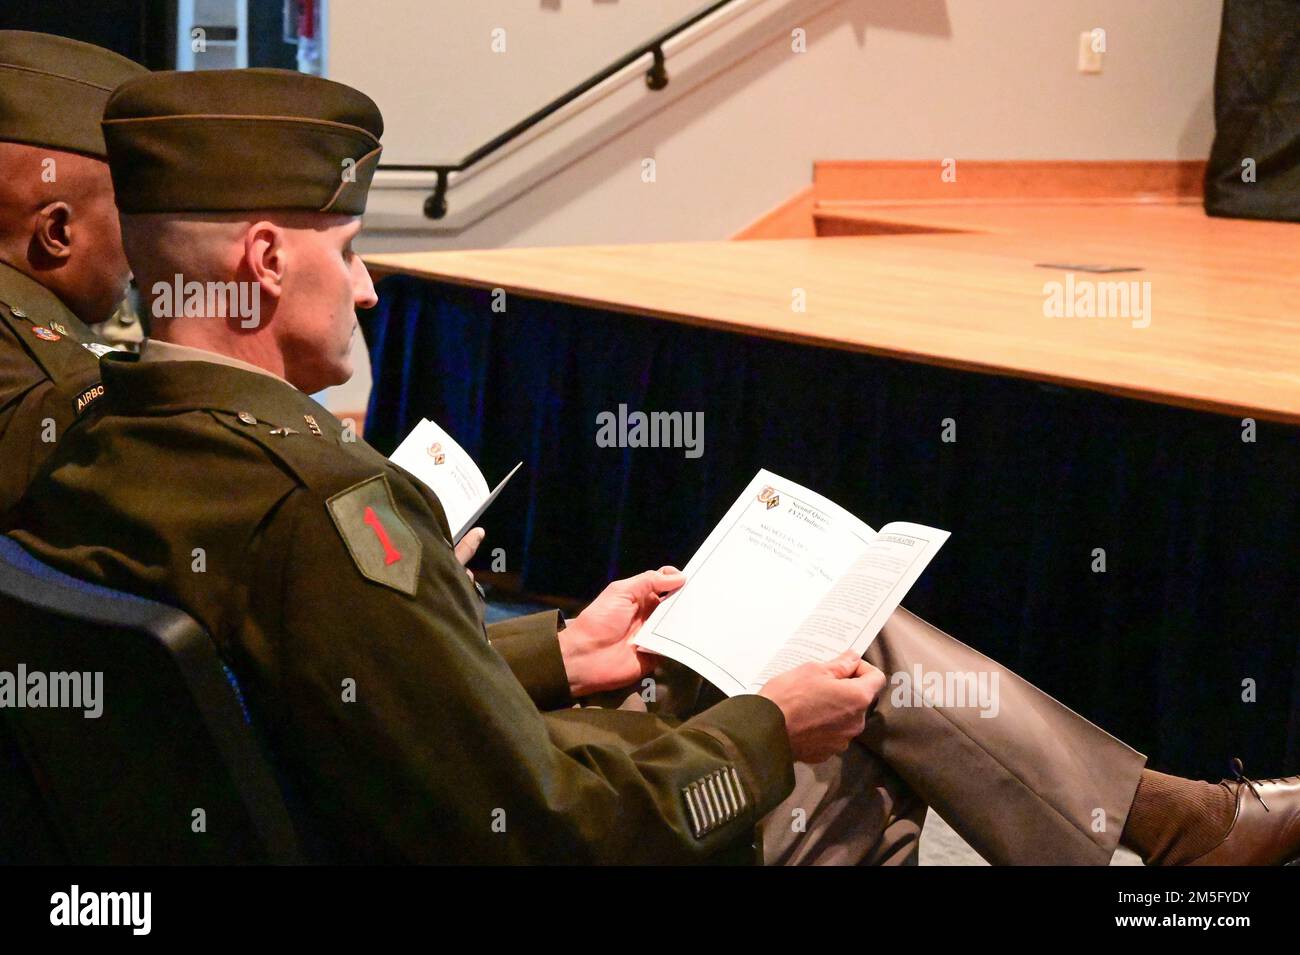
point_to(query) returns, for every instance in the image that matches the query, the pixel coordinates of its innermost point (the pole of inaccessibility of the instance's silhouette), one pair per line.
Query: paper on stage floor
(433, 456)
(788, 576)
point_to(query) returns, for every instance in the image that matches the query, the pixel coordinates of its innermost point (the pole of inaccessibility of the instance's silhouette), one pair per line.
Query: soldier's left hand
(597, 645)
(468, 546)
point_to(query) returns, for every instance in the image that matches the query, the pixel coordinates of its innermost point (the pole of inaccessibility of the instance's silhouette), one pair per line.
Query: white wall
(431, 67)
(737, 130)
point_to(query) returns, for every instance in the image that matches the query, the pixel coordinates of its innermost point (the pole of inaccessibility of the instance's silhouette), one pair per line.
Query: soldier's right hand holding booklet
(786, 577)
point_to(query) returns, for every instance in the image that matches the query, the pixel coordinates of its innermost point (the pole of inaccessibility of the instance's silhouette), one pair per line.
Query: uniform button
(247, 418)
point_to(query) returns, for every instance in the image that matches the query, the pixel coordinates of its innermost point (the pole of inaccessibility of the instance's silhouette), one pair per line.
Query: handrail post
(435, 207)
(656, 78)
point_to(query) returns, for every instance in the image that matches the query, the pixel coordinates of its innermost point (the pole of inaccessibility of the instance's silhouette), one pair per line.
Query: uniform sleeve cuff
(529, 646)
(751, 729)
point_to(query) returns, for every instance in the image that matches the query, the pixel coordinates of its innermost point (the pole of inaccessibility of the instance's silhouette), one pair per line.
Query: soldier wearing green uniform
(405, 728)
(61, 261)
(325, 574)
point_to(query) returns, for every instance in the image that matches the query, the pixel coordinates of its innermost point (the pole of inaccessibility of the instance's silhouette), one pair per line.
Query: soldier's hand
(825, 704)
(468, 546)
(597, 645)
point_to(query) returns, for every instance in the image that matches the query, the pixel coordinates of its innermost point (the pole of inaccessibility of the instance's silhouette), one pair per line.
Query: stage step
(850, 197)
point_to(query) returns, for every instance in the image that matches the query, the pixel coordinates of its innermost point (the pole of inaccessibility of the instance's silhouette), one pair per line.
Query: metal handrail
(656, 78)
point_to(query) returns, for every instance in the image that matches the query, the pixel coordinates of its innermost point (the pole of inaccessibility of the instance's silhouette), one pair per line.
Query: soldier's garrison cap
(241, 140)
(53, 90)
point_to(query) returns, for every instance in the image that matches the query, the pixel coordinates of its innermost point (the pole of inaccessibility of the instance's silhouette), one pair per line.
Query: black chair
(173, 736)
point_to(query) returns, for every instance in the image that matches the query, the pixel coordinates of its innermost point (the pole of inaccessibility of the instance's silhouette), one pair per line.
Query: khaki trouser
(851, 809)
(1033, 783)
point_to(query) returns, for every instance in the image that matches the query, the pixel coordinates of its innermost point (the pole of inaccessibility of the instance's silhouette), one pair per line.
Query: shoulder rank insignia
(381, 543)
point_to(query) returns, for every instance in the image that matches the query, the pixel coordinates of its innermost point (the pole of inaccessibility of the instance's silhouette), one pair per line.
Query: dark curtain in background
(266, 46)
(140, 30)
(1257, 112)
(1202, 586)
(145, 30)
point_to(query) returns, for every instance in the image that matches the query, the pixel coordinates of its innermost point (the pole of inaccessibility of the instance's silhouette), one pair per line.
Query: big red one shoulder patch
(381, 543)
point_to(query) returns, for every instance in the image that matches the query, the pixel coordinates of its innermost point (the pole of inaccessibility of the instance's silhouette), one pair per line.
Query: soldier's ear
(52, 237)
(266, 256)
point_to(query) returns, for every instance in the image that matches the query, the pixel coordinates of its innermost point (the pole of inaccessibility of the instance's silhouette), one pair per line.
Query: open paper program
(433, 456)
(787, 577)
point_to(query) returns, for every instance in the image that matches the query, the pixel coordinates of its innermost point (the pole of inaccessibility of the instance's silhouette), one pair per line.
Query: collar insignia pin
(58, 328)
(283, 432)
(17, 312)
(45, 334)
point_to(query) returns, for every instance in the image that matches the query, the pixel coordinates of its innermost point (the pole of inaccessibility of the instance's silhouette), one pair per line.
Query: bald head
(203, 247)
(278, 289)
(59, 226)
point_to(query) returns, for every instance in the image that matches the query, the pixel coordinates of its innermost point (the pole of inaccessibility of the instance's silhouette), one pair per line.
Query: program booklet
(786, 578)
(431, 455)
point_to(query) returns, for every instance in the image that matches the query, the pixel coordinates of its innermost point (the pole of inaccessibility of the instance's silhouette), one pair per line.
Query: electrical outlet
(1089, 58)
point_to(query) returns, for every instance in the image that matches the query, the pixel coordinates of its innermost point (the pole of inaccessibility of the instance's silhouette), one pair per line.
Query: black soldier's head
(58, 224)
(240, 193)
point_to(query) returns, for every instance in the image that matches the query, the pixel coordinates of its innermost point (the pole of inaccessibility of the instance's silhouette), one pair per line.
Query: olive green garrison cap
(241, 140)
(53, 90)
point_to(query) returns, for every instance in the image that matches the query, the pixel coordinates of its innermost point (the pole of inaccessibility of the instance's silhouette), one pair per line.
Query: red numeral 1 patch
(391, 554)
(378, 538)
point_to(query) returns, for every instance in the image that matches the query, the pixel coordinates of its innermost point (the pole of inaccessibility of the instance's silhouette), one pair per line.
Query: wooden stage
(957, 284)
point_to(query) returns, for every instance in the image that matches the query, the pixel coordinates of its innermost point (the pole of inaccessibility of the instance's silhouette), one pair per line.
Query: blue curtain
(1201, 589)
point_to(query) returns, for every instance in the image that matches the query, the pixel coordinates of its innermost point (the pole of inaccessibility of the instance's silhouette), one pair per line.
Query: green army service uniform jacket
(326, 576)
(48, 377)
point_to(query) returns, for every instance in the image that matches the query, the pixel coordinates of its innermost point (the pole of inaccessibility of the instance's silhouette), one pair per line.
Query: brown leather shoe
(1266, 827)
